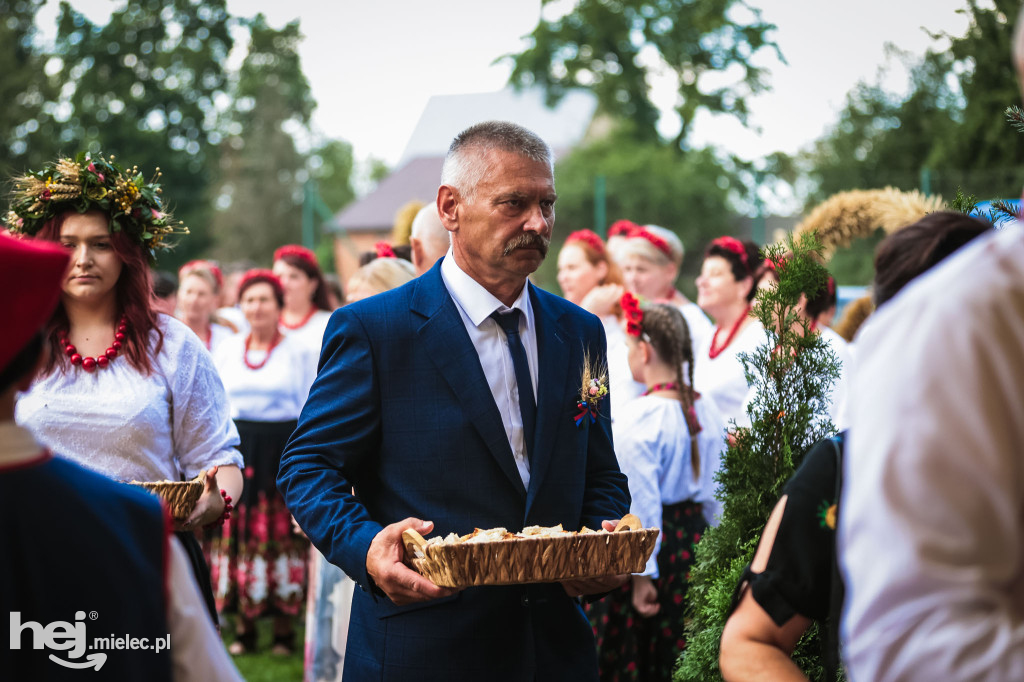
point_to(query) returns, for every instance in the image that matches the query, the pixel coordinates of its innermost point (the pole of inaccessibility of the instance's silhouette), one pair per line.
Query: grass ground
(263, 666)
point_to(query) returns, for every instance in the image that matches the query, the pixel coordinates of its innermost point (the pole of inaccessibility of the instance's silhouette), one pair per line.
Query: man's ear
(448, 207)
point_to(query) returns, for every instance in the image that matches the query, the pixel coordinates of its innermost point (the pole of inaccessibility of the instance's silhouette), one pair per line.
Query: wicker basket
(180, 496)
(532, 559)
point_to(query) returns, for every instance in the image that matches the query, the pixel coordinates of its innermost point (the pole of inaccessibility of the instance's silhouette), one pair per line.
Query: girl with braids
(669, 445)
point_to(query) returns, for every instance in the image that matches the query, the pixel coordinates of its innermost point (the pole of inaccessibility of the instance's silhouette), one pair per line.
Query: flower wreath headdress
(733, 245)
(94, 183)
(655, 241)
(622, 228)
(589, 238)
(633, 313)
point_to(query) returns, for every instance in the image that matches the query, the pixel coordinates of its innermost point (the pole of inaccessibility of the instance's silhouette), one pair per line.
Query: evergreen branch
(963, 203)
(1015, 116)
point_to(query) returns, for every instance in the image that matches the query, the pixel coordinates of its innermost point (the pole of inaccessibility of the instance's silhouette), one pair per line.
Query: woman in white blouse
(127, 392)
(199, 286)
(258, 563)
(725, 290)
(307, 307)
(650, 258)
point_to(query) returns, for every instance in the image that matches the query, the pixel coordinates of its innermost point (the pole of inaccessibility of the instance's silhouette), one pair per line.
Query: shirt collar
(474, 299)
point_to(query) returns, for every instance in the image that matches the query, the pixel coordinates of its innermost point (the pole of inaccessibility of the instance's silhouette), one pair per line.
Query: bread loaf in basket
(535, 555)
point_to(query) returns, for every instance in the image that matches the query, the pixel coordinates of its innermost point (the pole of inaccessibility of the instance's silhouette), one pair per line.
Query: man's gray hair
(465, 164)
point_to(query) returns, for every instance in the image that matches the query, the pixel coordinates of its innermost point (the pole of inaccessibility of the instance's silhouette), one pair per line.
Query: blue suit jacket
(402, 412)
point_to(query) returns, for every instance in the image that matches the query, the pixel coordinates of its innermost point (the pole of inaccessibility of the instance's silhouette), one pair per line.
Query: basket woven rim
(445, 564)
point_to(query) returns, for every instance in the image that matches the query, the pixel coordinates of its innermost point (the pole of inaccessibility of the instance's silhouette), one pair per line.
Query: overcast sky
(372, 66)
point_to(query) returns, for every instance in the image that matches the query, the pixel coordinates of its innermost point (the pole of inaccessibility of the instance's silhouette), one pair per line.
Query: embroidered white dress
(312, 333)
(130, 426)
(722, 378)
(276, 391)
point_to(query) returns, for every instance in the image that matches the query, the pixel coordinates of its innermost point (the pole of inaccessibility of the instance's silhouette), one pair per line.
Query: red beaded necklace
(273, 344)
(712, 353)
(664, 386)
(312, 311)
(101, 361)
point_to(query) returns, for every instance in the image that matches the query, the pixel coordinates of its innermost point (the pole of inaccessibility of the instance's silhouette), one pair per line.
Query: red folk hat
(32, 274)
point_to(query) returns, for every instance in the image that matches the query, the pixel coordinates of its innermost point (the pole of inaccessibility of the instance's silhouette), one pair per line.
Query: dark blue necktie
(509, 322)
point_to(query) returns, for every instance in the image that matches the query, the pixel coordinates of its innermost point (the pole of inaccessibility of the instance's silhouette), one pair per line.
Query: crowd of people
(439, 392)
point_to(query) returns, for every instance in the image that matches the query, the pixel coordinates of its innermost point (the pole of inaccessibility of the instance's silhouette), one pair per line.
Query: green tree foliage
(951, 122)
(24, 89)
(144, 87)
(615, 47)
(331, 167)
(648, 183)
(792, 374)
(260, 193)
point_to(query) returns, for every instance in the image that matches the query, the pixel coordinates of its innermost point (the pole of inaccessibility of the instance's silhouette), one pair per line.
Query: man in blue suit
(449, 404)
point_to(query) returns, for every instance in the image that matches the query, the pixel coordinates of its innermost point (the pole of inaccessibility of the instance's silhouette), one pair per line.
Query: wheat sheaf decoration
(847, 216)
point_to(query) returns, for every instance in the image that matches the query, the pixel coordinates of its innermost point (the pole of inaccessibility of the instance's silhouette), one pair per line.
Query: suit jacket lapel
(553, 373)
(444, 338)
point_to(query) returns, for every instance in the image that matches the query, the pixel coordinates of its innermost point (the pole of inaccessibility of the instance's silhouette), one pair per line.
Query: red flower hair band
(384, 250)
(204, 265)
(831, 286)
(261, 275)
(622, 228)
(298, 251)
(734, 245)
(634, 315)
(589, 238)
(656, 241)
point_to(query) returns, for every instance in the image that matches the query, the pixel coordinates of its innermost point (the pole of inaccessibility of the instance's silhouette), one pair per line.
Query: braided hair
(665, 328)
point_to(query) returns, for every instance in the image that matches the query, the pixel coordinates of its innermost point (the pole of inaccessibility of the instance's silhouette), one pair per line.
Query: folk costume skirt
(258, 563)
(631, 647)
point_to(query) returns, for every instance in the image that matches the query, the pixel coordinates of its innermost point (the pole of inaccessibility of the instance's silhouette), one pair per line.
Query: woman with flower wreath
(258, 562)
(668, 443)
(590, 278)
(199, 286)
(126, 391)
(307, 307)
(725, 290)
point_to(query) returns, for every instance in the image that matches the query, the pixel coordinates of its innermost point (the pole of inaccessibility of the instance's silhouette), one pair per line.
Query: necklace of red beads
(273, 344)
(100, 361)
(302, 322)
(712, 351)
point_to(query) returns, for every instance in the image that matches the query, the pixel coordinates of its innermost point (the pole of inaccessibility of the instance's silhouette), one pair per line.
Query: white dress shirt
(931, 531)
(475, 305)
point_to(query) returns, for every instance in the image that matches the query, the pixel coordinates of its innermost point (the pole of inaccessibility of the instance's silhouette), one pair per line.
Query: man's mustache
(527, 240)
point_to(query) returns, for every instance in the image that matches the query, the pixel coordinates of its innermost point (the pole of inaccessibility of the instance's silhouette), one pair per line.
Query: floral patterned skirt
(631, 647)
(257, 562)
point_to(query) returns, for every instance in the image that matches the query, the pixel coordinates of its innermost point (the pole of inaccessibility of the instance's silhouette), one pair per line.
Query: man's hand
(385, 564)
(578, 588)
(645, 596)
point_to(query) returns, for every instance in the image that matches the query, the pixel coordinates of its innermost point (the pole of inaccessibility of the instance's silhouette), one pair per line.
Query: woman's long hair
(133, 302)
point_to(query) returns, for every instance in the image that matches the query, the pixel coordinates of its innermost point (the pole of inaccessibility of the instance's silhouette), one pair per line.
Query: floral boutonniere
(593, 389)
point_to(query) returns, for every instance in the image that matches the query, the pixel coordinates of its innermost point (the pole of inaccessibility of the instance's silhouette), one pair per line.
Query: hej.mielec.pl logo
(70, 637)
